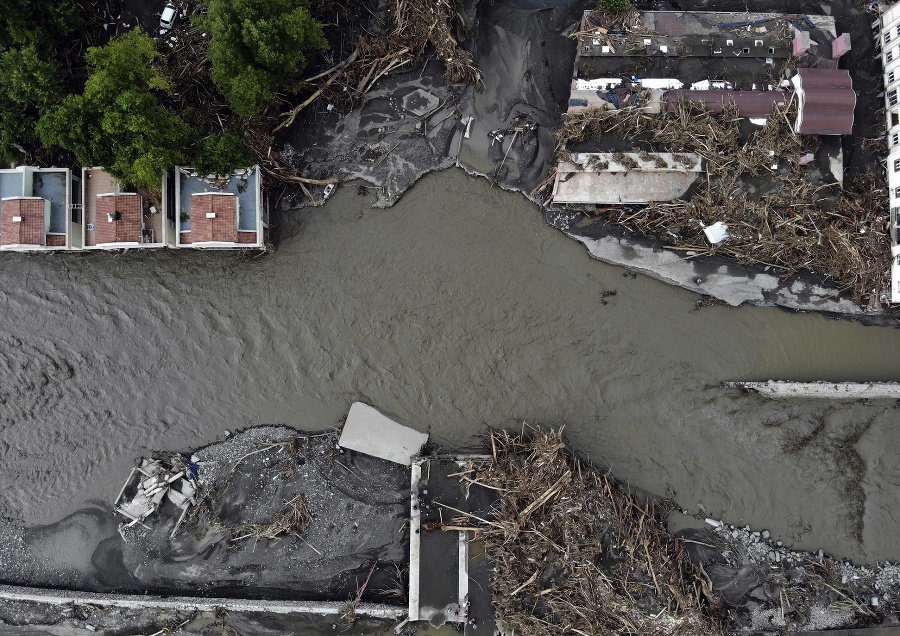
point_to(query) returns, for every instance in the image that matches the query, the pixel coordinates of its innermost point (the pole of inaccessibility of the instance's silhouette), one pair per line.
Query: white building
(887, 31)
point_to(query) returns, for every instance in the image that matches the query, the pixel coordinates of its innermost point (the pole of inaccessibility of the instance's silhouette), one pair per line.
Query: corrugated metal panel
(749, 103)
(825, 78)
(828, 100)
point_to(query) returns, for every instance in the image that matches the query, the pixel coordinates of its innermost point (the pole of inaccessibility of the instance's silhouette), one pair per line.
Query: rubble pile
(577, 553)
(773, 587)
(776, 215)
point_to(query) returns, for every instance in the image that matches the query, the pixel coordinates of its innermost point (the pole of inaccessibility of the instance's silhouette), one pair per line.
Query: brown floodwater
(456, 309)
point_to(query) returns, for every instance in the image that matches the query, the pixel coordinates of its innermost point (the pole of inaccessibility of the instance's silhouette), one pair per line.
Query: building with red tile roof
(118, 219)
(39, 209)
(218, 212)
(24, 222)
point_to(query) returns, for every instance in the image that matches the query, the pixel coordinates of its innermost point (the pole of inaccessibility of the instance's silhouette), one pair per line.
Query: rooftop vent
(17, 219)
(210, 215)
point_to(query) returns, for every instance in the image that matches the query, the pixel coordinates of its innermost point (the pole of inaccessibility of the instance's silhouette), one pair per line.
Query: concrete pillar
(840, 46)
(801, 43)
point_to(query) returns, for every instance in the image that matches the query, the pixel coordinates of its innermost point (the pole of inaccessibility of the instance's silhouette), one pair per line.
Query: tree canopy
(119, 121)
(41, 22)
(29, 86)
(258, 47)
(221, 154)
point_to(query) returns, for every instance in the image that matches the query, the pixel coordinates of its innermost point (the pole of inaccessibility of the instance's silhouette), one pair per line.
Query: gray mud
(358, 507)
(21, 617)
(456, 309)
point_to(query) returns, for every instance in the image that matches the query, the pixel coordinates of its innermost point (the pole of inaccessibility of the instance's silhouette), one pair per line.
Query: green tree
(120, 122)
(614, 6)
(29, 86)
(258, 47)
(222, 154)
(41, 22)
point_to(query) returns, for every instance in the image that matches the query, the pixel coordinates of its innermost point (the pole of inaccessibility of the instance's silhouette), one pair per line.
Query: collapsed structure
(673, 49)
(760, 102)
(886, 30)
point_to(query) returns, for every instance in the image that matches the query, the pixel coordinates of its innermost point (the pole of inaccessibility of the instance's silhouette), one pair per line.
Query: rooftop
(214, 217)
(239, 211)
(826, 101)
(118, 218)
(613, 178)
(23, 221)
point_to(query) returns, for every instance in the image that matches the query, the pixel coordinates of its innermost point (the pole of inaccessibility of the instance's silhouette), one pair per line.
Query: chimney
(801, 43)
(840, 46)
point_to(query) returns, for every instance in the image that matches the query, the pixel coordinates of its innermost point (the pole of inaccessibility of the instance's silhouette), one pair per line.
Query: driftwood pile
(575, 553)
(414, 25)
(777, 216)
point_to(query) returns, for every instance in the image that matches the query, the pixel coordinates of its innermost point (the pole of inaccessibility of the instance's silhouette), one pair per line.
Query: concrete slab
(829, 390)
(369, 431)
(610, 188)
(420, 102)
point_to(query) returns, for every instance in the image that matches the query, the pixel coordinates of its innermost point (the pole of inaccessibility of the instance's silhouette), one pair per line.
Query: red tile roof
(125, 230)
(749, 103)
(30, 230)
(222, 228)
(827, 101)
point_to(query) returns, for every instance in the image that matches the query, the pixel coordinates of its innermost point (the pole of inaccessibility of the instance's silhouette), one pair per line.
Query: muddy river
(456, 309)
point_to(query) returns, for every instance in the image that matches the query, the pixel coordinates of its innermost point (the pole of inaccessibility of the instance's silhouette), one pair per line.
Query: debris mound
(777, 216)
(577, 553)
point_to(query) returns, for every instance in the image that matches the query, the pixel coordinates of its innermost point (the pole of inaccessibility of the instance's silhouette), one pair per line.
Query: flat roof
(244, 185)
(588, 181)
(53, 185)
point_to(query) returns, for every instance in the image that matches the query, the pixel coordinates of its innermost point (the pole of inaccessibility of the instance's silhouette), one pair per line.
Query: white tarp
(369, 431)
(716, 233)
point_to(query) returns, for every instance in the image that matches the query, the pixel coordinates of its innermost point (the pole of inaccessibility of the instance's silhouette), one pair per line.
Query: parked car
(168, 17)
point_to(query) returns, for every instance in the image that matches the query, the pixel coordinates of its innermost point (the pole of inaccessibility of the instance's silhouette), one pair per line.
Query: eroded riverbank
(455, 309)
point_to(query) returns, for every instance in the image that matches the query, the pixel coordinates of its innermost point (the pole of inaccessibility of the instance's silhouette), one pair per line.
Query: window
(757, 42)
(897, 192)
(746, 50)
(887, 37)
(891, 77)
(896, 165)
(892, 97)
(898, 29)
(895, 139)
(889, 56)
(771, 50)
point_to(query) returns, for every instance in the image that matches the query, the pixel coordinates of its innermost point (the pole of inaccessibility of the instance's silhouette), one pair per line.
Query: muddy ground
(358, 506)
(26, 618)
